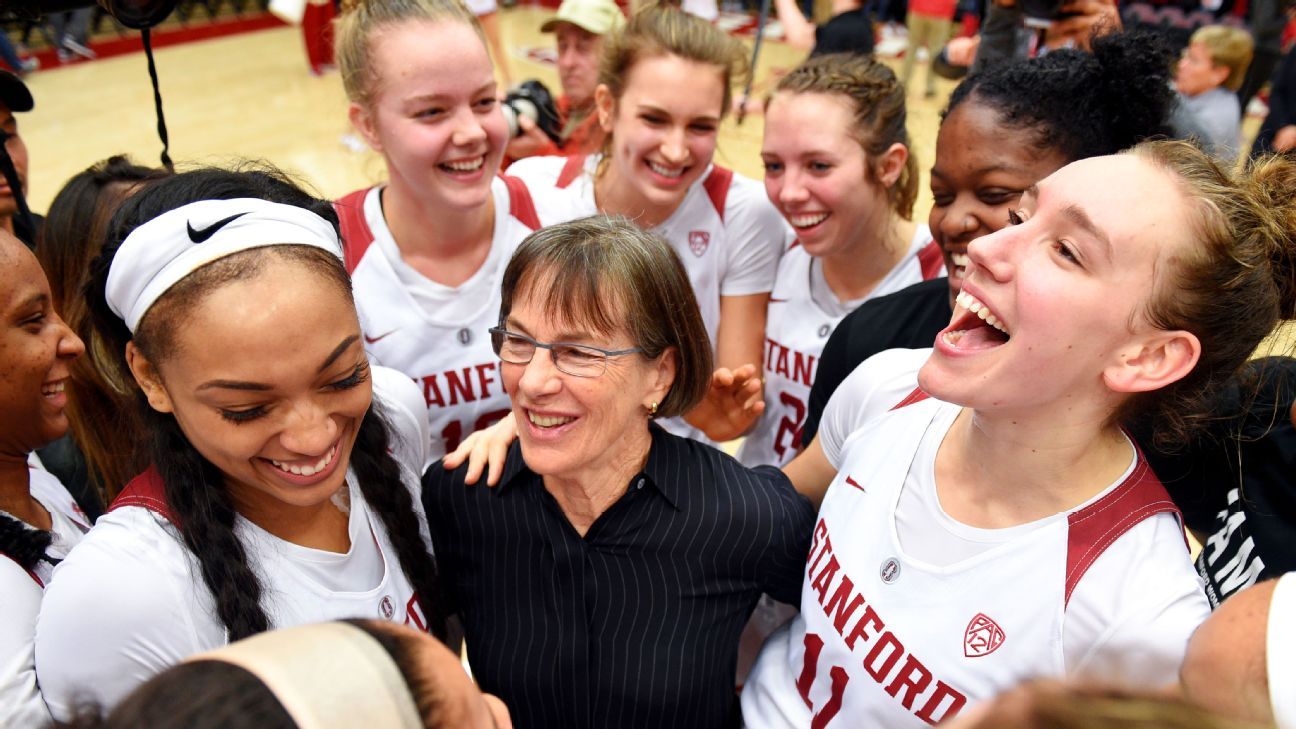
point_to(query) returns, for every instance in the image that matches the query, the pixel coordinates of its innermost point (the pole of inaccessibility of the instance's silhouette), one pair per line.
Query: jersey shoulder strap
(930, 261)
(356, 234)
(145, 490)
(1096, 527)
(571, 169)
(717, 188)
(30, 573)
(521, 206)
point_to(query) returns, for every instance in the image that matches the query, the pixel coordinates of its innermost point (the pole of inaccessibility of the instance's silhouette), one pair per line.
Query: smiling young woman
(39, 521)
(1128, 287)
(282, 463)
(427, 248)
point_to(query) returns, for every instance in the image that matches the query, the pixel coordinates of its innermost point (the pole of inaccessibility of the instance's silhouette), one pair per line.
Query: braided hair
(23, 544)
(203, 511)
(877, 100)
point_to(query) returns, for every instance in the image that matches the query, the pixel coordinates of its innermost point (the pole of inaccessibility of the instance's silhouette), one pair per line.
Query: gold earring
(652, 409)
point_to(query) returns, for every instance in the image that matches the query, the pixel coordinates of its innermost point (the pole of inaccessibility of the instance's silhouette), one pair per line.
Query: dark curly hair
(1082, 104)
(193, 486)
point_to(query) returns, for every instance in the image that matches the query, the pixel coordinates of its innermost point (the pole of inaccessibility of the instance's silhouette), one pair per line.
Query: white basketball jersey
(153, 609)
(886, 640)
(796, 330)
(449, 357)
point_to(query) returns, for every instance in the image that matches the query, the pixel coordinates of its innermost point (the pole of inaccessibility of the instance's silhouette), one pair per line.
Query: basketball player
(39, 520)
(837, 166)
(1006, 527)
(427, 249)
(282, 463)
(664, 87)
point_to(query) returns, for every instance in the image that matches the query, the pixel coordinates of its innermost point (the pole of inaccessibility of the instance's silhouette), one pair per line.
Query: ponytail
(21, 543)
(1231, 288)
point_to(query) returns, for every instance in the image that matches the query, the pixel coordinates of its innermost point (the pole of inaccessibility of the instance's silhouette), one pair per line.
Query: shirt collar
(661, 471)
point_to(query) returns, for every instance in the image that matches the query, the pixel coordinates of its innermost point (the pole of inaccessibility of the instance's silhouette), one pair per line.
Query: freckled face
(981, 169)
(36, 347)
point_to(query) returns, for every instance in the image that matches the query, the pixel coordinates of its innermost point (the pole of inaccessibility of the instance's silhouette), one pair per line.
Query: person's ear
(362, 119)
(1220, 74)
(605, 107)
(663, 376)
(892, 164)
(1163, 358)
(147, 377)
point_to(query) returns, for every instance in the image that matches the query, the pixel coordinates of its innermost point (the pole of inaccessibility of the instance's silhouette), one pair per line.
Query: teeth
(308, 470)
(666, 171)
(805, 221)
(54, 389)
(467, 166)
(959, 259)
(974, 305)
(547, 422)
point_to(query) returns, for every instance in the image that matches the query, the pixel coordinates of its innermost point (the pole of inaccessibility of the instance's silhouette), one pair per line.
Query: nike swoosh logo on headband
(199, 236)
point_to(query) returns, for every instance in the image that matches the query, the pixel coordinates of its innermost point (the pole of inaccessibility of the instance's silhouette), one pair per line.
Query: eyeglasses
(578, 360)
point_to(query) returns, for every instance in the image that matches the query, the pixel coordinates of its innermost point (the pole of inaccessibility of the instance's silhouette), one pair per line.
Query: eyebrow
(643, 106)
(1080, 219)
(262, 387)
(561, 338)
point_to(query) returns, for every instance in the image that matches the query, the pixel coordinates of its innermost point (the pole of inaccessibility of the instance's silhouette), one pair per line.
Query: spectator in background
(579, 26)
(1207, 79)
(1278, 131)
(930, 23)
(14, 97)
(849, 30)
(9, 54)
(1266, 21)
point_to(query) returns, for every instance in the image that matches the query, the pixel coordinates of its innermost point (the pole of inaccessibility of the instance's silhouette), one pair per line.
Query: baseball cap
(599, 17)
(14, 93)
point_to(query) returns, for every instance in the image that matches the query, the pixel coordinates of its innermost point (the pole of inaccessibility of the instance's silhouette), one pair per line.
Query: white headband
(161, 252)
(326, 676)
(1280, 648)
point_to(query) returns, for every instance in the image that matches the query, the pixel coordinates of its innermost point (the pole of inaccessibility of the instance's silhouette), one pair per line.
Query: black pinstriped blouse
(637, 623)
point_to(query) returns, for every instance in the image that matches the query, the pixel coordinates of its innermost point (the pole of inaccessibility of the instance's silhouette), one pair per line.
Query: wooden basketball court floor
(251, 96)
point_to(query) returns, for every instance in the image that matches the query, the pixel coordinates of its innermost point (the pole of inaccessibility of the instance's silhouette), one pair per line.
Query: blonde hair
(1051, 704)
(1230, 47)
(878, 102)
(1231, 286)
(362, 18)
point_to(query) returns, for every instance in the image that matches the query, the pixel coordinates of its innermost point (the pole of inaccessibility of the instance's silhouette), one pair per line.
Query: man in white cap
(1241, 662)
(580, 27)
(14, 97)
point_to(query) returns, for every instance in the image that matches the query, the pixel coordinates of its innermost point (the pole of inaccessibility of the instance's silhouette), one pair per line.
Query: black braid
(205, 518)
(380, 482)
(21, 543)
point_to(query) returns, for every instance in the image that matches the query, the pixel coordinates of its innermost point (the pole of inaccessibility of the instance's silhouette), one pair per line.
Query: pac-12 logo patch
(386, 608)
(698, 241)
(890, 571)
(982, 637)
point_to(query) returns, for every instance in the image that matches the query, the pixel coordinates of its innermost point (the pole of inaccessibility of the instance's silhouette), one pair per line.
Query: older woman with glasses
(607, 578)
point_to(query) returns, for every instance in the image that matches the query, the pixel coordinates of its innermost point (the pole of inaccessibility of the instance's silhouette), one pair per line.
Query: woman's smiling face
(1053, 305)
(982, 166)
(268, 380)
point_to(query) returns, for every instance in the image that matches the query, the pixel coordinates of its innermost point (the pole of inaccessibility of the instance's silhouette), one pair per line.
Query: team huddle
(484, 402)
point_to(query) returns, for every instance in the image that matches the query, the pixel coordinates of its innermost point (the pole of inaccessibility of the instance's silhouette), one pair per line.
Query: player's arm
(811, 473)
(735, 399)
(798, 32)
